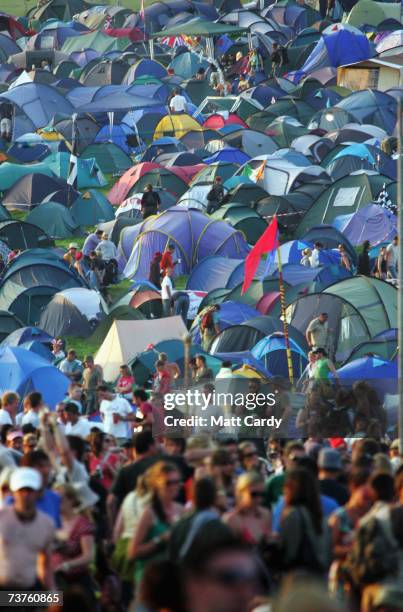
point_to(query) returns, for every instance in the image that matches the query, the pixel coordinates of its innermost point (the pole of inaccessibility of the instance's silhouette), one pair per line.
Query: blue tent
(291, 252)
(295, 274)
(373, 223)
(337, 49)
(215, 272)
(231, 313)
(230, 154)
(272, 352)
(381, 374)
(187, 64)
(38, 349)
(371, 106)
(245, 358)
(23, 371)
(118, 135)
(26, 334)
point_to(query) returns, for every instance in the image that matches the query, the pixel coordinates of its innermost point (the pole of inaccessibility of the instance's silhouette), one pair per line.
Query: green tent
(386, 349)
(199, 27)
(367, 12)
(94, 40)
(242, 218)
(8, 323)
(345, 196)
(110, 158)
(55, 219)
(283, 130)
(92, 208)
(118, 313)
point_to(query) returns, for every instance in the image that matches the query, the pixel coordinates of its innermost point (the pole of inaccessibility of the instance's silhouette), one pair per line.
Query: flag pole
(283, 315)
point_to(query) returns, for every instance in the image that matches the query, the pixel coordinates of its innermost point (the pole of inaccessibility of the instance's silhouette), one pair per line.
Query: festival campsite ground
(20, 7)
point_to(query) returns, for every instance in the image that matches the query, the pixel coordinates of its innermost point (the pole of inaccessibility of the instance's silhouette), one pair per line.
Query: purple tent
(373, 223)
(194, 234)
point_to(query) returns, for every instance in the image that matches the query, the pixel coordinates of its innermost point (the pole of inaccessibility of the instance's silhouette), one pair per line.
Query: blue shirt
(49, 504)
(90, 244)
(329, 505)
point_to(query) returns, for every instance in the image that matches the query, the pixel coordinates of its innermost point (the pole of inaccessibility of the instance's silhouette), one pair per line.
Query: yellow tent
(247, 371)
(176, 126)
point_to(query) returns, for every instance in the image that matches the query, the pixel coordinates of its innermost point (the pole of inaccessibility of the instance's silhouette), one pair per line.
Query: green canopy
(199, 27)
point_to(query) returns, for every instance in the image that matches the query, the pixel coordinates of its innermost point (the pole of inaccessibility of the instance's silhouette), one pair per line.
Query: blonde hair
(247, 480)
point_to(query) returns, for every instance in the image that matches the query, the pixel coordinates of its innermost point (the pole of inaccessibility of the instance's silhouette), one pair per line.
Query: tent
(23, 371)
(8, 324)
(72, 312)
(373, 223)
(231, 313)
(379, 373)
(358, 308)
(330, 237)
(32, 189)
(271, 351)
(109, 157)
(194, 235)
(55, 219)
(384, 348)
(120, 313)
(126, 339)
(176, 126)
(22, 235)
(92, 208)
(216, 271)
(243, 219)
(24, 335)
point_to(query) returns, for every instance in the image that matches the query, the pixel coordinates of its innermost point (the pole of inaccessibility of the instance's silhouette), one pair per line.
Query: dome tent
(55, 219)
(272, 352)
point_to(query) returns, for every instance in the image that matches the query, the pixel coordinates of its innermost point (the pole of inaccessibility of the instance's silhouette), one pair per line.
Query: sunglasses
(231, 576)
(256, 493)
(249, 455)
(171, 483)
(108, 440)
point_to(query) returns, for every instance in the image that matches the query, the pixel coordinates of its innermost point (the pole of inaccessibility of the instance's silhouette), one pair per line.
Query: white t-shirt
(5, 418)
(314, 259)
(31, 417)
(82, 428)
(178, 103)
(165, 286)
(118, 406)
(393, 254)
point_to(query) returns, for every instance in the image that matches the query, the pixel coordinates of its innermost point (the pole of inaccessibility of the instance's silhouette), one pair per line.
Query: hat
(73, 245)
(57, 342)
(329, 459)
(99, 231)
(86, 495)
(395, 444)
(12, 435)
(25, 478)
(105, 235)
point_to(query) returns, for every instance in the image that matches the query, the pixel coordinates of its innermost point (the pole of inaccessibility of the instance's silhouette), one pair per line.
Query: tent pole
(400, 270)
(283, 315)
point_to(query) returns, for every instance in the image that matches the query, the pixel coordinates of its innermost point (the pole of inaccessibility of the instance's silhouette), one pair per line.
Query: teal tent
(92, 208)
(55, 219)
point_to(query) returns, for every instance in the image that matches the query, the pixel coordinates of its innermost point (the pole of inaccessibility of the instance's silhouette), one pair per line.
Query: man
(116, 413)
(330, 468)
(32, 405)
(61, 415)
(276, 59)
(91, 243)
(26, 537)
(275, 484)
(71, 366)
(178, 103)
(317, 332)
(74, 395)
(92, 378)
(314, 259)
(392, 258)
(209, 325)
(142, 403)
(150, 202)
(9, 406)
(70, 256)
(225, 371)
(162, 378)
(201, 74)
(48, 501)
(167, 292)
(14, 443)
(106, 249)
(76, 425)
(323, 367)
(214, 196)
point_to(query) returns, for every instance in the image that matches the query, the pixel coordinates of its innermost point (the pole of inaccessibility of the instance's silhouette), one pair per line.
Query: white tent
(126, 339)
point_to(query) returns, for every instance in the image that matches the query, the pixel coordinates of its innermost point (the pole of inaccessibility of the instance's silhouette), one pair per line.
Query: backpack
(374, 555)
(207, 320)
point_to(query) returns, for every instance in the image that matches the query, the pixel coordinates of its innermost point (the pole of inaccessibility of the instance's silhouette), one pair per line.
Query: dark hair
(78, 445)
(143, 441)
(140, 394)
(358, 477)
(96, 439)
(305, 492)
(202, 358)
(103, 388)
(383, 486)
(34, 399)
(200, 555)
(34, 458)
(204, 493)
(181, 442)
(71, 407)
(4, 431)
(221, 457)
(28, 428)
(162, 587)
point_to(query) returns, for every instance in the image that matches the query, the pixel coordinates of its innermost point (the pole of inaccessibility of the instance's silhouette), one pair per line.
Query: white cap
(25, 478)
(73, 245)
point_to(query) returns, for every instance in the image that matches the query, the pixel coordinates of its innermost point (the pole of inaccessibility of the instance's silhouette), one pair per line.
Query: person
(392, 258)
(344, 258)
(125, 383)
(45, 65)
(75, 395)
(57, 350)
(181, 305)
(155, 273)
(275, 484)
(201, 74)
(225, 371)
(70, 256)
(116, 413)
(75, 542)
(215, 195)
(48, 501)
(315, 257)
(103, 463)
(214, 76)
(9, 406)
(306, 258)
(209, 323)
(96, 272)
(6, 126)
(75, 425)
(323, 368)
(202, 372)
(26, 536)
(150, 202)
(305, 382)
(171, 366)
(255, 62)
(364, 264)
(167, 292)
(250, 520)
(381, 266)
(330, 469)
(276, 59)
(167, 260)
(178, 103)
(14, 440)
(161, 378)
(150, 539)
(243, 83)
(107, 251)
(92, 378)
(317, 332)
(91, 243)
(305, 542)
(71, 366)
(33, 403)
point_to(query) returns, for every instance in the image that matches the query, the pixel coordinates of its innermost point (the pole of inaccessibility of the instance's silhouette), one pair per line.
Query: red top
(107, 475)
(162, 382)
(72, 548)
(166, 261)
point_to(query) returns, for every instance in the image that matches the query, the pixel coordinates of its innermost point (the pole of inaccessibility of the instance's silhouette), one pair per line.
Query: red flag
(267, 242)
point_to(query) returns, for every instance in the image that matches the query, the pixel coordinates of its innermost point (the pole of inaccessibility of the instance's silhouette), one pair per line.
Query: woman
(125, 384)
(306, 258)
(305, 539)
(103, 462)
(344, 258)
(149, 541)
(249, 520)
(155, 273)
(343, 523)
(381, 267)
(364, 264)
(75, 543)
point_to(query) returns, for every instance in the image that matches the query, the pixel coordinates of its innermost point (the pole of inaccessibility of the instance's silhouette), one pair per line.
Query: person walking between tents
(150, 202)
(392, 256)
(317, 332)
(167, 292)
(215, 196)
(209, 325)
